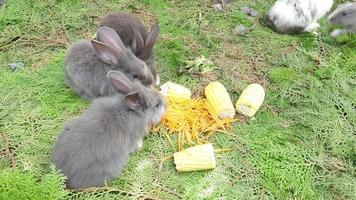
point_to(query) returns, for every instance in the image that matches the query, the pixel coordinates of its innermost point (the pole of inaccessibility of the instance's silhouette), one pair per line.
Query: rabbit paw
(139, 144)
(312, 27)
(337, 32)
(315, 33)
(157, 80)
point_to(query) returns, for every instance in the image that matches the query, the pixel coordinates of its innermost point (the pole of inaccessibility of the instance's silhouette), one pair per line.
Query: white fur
(157, 80)
(285, 15)
(337, 32)
(140, 143)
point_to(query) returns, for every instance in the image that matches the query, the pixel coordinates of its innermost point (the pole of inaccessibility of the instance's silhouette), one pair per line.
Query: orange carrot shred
(191, 120)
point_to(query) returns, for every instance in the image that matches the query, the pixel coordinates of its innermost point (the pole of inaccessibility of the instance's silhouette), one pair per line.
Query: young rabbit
(134, 34)
(94, 147)
(345, 15)
(87, 63)
(296, 16)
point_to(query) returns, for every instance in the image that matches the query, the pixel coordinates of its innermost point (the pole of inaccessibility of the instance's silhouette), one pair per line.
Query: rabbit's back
(86, 158)
(94, 147)
(124, 25)
(85, 72)
(321, 7)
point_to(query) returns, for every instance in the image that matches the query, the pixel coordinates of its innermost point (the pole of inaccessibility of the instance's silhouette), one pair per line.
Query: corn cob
(170, 89)
(200, 157)
(219, 100)
(250, 100)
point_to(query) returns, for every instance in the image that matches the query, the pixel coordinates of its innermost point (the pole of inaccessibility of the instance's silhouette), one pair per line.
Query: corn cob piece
(170, 89)
(200, 157)
(250, 100)
(219, 100)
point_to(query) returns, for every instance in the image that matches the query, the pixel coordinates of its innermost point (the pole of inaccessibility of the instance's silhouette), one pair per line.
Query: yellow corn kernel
(250, 100)
(219, 100)
(170, 89)
(200, 157)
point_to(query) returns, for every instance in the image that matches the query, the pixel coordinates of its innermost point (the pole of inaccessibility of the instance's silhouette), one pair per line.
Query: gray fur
(93, 148)
(135, 35)
(344, 15)
(85, 71)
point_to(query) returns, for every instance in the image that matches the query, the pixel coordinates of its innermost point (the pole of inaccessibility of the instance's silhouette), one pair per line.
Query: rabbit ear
(137, 42)
(124, 86)
(133, 101)
(120, 82)
(108, 36)
(152, 36)
(106, 53)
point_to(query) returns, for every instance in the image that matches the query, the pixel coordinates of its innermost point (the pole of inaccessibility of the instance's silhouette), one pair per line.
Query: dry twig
(8, 151)
(159, 184)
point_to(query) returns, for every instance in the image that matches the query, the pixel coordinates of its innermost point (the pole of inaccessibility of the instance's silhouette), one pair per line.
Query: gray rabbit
(134, 35)
(87, 63)
(94, 147)
(345, 15)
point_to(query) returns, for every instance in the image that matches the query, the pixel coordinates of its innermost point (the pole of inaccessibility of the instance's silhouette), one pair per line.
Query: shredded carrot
(191, 122)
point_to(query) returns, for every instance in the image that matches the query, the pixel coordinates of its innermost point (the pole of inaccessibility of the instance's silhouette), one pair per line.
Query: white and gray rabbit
(296, 16)
(87, 63)
(93, 148)
(344, 15)
(134, 35)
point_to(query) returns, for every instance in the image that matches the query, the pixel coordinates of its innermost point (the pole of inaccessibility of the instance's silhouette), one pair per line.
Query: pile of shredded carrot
(191, 122)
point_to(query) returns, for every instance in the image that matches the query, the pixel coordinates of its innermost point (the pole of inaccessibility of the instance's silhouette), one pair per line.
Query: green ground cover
(300, 146)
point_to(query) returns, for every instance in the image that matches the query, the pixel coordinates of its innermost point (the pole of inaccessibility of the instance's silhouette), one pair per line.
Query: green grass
(301, 144)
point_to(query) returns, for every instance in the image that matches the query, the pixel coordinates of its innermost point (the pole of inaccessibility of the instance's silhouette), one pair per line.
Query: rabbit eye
(158, 104)
(344, 14)
(135, 76)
